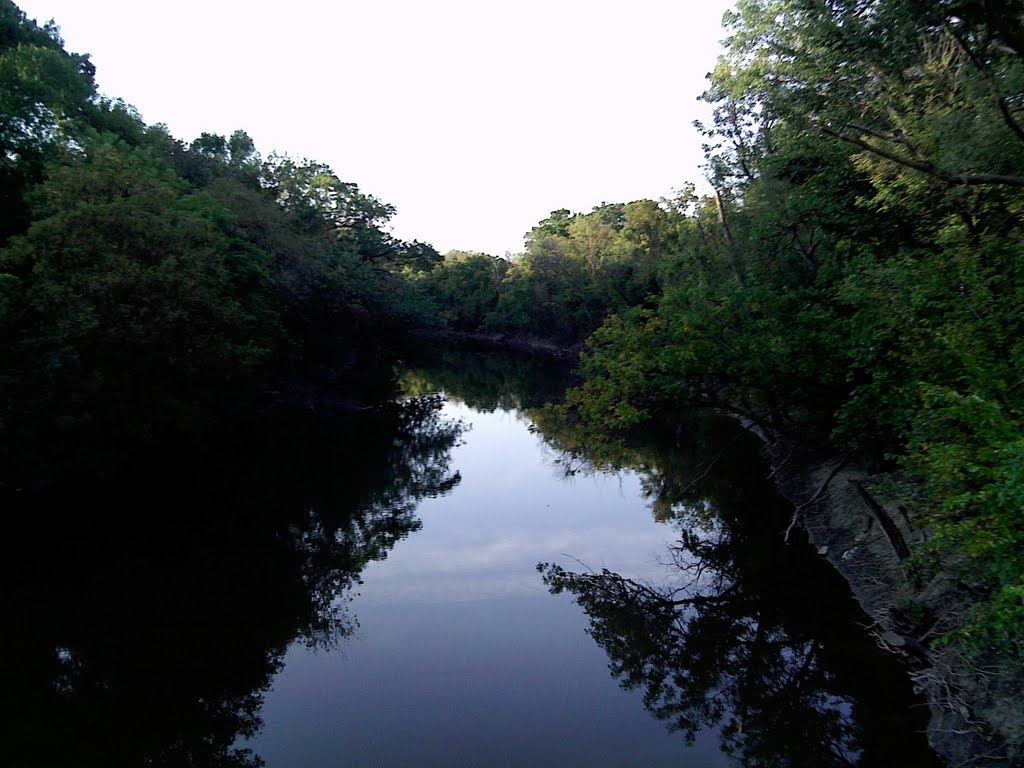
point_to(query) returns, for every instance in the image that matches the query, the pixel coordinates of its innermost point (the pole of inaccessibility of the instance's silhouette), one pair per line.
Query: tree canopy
(147, 283)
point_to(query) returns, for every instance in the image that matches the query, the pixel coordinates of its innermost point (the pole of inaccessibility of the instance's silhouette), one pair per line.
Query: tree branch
(926, 167)
(993, 86)
(796, 511)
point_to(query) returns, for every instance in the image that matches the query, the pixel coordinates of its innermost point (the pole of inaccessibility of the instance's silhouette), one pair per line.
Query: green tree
(134, 292)
(44, 92)
(466, 286)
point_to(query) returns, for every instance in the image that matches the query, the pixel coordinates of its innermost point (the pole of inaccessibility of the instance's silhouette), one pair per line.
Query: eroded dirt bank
(857, 523)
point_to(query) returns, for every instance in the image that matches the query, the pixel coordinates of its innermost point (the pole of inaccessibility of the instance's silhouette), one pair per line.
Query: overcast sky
(474, 119)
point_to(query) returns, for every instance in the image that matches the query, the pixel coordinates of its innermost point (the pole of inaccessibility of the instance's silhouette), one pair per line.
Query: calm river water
(368, 594)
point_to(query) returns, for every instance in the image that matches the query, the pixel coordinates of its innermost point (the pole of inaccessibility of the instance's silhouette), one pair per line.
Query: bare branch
(796, 511)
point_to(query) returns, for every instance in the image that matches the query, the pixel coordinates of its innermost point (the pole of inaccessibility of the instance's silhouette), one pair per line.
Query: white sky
(475, 119)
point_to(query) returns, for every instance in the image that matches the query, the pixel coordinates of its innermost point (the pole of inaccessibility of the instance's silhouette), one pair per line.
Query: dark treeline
(577, 270)
(149, 285)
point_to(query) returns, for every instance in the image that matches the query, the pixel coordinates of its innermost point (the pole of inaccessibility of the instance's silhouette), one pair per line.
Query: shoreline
(522, 343)
(864, 531)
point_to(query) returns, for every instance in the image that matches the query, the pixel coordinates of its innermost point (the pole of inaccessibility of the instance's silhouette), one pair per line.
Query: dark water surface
(364, 591)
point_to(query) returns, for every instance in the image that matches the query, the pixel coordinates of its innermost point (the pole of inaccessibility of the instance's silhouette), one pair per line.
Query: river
(457, 578)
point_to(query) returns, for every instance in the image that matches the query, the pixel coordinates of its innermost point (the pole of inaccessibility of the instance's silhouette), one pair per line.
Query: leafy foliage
(577, 270)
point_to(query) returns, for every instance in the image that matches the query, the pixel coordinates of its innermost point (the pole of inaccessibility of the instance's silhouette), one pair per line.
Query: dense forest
(854, 281)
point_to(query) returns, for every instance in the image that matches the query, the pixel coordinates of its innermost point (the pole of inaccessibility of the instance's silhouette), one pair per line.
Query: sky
(475, 119)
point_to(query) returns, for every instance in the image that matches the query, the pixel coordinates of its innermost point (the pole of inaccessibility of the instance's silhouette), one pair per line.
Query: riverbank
(858, 523)
(510, 342)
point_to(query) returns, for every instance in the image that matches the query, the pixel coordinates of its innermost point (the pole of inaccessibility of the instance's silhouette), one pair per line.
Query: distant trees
(576, 271)
(467, 287)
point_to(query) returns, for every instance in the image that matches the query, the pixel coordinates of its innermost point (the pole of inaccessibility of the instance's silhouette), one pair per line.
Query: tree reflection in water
(486, 380)
(143, 619)
(748, 636)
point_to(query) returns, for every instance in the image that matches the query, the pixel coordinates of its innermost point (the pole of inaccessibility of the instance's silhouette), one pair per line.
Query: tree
(133, 290)
(466, 286)
(44, 92)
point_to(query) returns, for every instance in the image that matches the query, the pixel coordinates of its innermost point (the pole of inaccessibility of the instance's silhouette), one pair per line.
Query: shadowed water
(364, 591)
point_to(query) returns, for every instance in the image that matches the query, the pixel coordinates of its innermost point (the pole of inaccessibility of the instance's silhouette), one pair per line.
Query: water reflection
(746, 635)
(141, 621)
(484, 380)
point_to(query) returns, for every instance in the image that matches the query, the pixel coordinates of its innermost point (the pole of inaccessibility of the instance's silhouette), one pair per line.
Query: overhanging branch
(924, 166)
